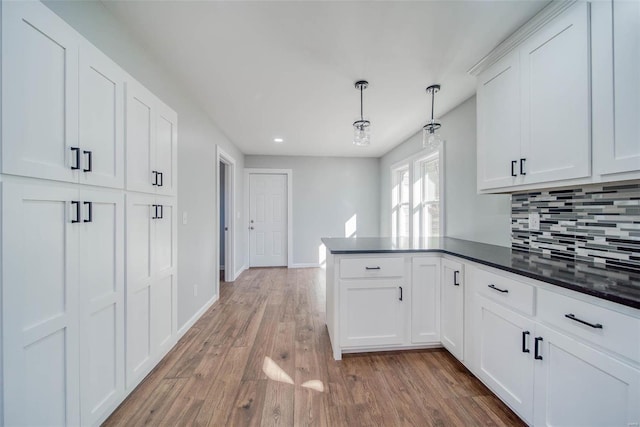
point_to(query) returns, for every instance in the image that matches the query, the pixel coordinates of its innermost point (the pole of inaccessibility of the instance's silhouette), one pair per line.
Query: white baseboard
(196, 316)
(239, 272)
(305, 265)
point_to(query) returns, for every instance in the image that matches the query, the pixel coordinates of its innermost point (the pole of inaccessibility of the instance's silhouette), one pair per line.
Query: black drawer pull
(524, 342)
(455, 278)
(77, 151)
(90, 205)
(504, 291)
(372, 268)
(155, 177)
(400, 292)
(522, 172)
(536, 350)
(161, 212)
(584, 322)
(155, 210)
(513, 165)
(89, 161)
(77, 205)
(160, 185)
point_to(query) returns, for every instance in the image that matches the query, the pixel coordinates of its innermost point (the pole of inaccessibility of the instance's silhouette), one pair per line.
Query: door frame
(247, 201)
(230, 189)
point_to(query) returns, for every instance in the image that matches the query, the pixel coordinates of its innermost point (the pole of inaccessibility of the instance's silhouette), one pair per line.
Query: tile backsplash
(594, 223)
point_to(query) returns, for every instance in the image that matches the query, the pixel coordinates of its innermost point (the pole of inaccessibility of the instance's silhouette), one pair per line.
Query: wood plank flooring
(214, 376)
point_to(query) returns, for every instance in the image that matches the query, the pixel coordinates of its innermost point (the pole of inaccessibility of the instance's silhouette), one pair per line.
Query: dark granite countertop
(615, 285)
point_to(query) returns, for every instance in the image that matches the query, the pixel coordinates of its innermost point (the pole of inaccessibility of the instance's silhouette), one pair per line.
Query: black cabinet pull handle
(504, 291)
(372, 268)
(77, 151)
(513, 165)
(161, 180)
(89, 161)
(455, 278)
(584, 322)
(522, 172)
(155, 210)
(400, 292)
(77, 205)
(525, 334)
(90, 217)
(536, 350)
(161, 212)
(155, 177)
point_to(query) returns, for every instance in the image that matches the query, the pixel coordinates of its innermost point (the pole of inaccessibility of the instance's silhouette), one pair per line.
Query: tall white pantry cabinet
(88, 259)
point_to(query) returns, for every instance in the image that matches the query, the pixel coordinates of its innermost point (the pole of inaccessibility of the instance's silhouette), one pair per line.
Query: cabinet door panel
(452, 307)
(101, 304)
(498, 123)
(140, 134)
(166, 150)
(162, 309)
(371, 313)
(625, 155)
(140, 229)
(503, 364)
(611, 397)
(556, 104)
(138, 326)
(40, 93)
(101, 119)
(425, 300)
(40, 305)
(165, 234)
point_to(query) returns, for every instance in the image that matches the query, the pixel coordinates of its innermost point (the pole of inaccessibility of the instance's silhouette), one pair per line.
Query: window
(416, 202)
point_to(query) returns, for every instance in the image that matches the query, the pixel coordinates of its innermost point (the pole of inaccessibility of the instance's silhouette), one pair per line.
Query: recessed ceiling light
(278, 140)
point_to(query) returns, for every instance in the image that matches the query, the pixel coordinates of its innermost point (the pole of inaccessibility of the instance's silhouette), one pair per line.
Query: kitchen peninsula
(508, 316)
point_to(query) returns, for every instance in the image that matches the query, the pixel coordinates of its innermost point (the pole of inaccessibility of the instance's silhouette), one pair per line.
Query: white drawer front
(514, 294)
(372, 267)
(612, 330)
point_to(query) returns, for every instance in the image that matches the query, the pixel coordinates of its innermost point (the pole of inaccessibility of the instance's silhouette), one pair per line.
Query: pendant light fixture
(361, 127)
(430, 136)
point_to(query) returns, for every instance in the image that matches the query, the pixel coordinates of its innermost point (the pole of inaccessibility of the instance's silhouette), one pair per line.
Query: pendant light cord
(361, 114)
(432, 97)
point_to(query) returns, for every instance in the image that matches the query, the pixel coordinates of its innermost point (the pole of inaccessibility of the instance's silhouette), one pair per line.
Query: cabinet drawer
(372, 267)
(607, 328)
(514, 294)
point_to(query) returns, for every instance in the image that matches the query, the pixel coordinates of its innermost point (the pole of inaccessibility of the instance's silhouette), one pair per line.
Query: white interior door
(268, 220)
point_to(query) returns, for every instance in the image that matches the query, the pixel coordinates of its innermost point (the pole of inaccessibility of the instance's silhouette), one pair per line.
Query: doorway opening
(225, 201)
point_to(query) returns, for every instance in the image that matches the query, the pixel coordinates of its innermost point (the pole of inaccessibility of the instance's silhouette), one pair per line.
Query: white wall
(197, 138)
(468, 215)
(327, 193)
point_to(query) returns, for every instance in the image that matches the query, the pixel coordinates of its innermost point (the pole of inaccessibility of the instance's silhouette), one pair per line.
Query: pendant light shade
(431, 138)
(362, 127)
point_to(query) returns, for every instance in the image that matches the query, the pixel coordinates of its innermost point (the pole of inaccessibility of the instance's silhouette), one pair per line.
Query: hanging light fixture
(361, 127)
(430, 136)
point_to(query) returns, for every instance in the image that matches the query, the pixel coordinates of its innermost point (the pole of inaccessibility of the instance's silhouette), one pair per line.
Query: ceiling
(268, 69)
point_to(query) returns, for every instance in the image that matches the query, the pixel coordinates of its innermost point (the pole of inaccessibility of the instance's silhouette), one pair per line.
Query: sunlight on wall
(351, 226)
(322, 255)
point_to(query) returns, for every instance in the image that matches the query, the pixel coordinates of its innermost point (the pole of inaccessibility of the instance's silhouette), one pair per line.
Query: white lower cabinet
(452, 307)
(505, 363)
(373, 312)
(151, 285)
(63, 314)
(425, 300)
(579, 385)
(548, 376)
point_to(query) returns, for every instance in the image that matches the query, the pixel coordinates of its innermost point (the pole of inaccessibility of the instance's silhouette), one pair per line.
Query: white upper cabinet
(499, 123)
(556, 106)
(534, 108)
(101, 119)
(62, 109)
(151, 132)
(616, 87)
(40, 99)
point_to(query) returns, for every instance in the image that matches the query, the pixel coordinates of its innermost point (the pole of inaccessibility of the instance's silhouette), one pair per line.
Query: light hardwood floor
(214, 376)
